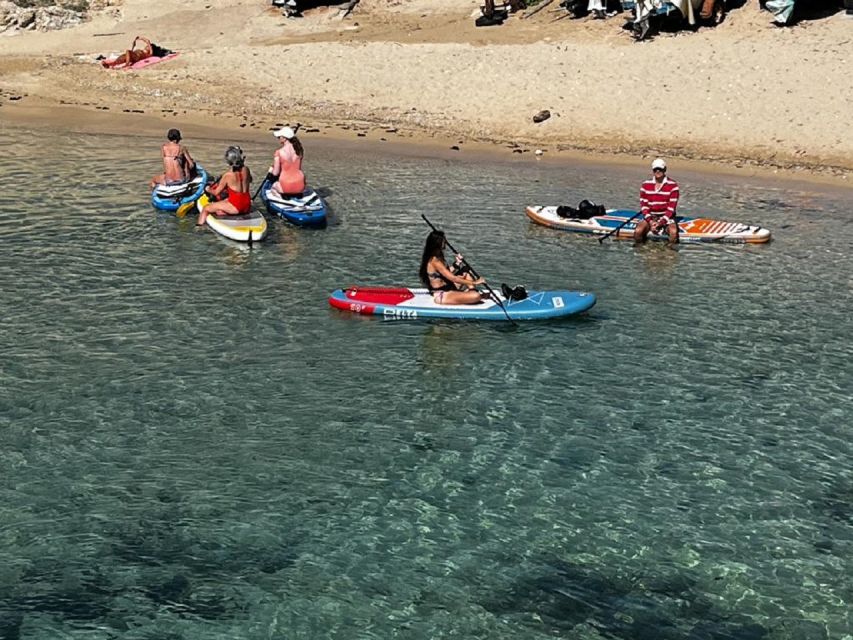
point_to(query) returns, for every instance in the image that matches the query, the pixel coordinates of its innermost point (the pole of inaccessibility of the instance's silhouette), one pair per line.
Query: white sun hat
(659, 163)
(284, 132)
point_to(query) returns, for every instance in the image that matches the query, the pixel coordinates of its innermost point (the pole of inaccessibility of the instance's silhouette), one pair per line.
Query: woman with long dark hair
(445, 286)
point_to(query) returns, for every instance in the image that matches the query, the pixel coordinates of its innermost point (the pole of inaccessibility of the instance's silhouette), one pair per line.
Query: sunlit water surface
(194, 445)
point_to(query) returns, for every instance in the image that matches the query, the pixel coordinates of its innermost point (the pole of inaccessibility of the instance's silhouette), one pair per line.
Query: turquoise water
(194, 445)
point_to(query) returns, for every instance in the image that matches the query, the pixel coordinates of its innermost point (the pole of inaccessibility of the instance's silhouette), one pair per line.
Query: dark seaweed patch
(152, 542)
(837, 502)
(79, 605)
(276, 561)
(10, 624)
(423, 442)
(174, 590)
(564, 596)
(824, 546)
(723, 631)
(178, 594)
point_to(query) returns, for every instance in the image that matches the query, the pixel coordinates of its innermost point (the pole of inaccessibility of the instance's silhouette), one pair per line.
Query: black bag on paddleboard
(515, 293)
(586, 210)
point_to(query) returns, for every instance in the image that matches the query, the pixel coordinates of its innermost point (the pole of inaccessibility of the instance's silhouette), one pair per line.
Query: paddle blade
(184, 209)
(202, 202)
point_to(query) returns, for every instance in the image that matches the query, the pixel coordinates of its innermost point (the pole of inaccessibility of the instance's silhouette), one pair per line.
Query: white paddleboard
(244, 227)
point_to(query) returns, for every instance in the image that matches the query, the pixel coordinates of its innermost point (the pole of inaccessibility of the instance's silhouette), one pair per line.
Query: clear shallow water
(193, 445)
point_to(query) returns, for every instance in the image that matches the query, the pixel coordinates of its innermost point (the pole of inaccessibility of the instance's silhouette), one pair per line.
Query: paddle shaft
(473, 271)
(258, 190)
(616, 230)
(263, 182)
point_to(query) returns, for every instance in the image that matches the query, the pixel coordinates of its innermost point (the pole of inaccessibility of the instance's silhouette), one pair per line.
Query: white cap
(659, 164)
(284, 132)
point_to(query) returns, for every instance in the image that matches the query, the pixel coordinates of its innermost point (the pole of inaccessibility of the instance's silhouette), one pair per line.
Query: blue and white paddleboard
(171, 197)
(418, 304)
(307, 210)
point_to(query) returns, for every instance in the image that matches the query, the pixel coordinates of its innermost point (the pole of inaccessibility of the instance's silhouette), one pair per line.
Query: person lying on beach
(445, 286)
(178, 165)
(237, 181)
(285, 174)
(131, 55)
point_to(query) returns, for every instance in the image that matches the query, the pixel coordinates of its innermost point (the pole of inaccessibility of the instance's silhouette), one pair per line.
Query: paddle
(474, 273)
(185, 208)
(264, 181)
(612, 231)
(261, 186)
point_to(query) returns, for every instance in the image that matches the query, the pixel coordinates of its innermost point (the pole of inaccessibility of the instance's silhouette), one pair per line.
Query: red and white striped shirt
(659, 199)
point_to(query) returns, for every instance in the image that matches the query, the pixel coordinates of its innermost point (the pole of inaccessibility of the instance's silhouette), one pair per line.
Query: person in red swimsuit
(237, 181)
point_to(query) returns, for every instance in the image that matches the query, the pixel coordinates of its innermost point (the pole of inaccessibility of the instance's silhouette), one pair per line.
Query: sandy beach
(743, 96)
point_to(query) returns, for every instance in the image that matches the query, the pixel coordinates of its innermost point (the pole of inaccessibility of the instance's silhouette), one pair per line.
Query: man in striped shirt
(658, 201)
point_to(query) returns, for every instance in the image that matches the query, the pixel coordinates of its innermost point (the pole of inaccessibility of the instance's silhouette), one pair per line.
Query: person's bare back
(174, 162)
(178, 165)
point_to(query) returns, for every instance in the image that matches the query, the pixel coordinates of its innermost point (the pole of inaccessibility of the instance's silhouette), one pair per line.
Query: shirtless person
(178, 165)
(130, 56)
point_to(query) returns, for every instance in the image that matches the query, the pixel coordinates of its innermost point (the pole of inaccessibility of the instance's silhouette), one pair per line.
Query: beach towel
(158, 54)
(145, 62)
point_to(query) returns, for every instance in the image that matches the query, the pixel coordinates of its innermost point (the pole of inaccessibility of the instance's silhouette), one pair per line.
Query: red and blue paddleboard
(402, 303)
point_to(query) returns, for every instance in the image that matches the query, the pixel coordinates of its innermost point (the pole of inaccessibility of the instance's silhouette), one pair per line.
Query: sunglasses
(659, 169)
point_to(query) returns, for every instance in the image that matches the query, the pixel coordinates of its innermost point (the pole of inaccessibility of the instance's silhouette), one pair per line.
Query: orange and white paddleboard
(690, 229)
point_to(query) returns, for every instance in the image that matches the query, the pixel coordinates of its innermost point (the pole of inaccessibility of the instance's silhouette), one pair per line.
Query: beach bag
(160, 52)
(564, 211)
(586, 209)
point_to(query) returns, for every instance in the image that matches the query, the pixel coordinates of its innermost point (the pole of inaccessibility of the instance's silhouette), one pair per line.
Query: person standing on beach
(286, 170)
(178, 165)
(658, 202)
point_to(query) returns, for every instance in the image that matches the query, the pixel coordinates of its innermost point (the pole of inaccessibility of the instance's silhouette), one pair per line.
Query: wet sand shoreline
(35, 113)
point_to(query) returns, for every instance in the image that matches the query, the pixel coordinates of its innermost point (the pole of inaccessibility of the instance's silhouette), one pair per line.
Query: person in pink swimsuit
(286, 166)
(237, 181)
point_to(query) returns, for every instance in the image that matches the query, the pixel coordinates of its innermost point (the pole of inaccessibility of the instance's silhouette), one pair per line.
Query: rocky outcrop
(39, 18)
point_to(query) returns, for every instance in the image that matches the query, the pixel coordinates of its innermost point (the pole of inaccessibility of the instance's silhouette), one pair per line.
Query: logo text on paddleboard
(400, 314)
